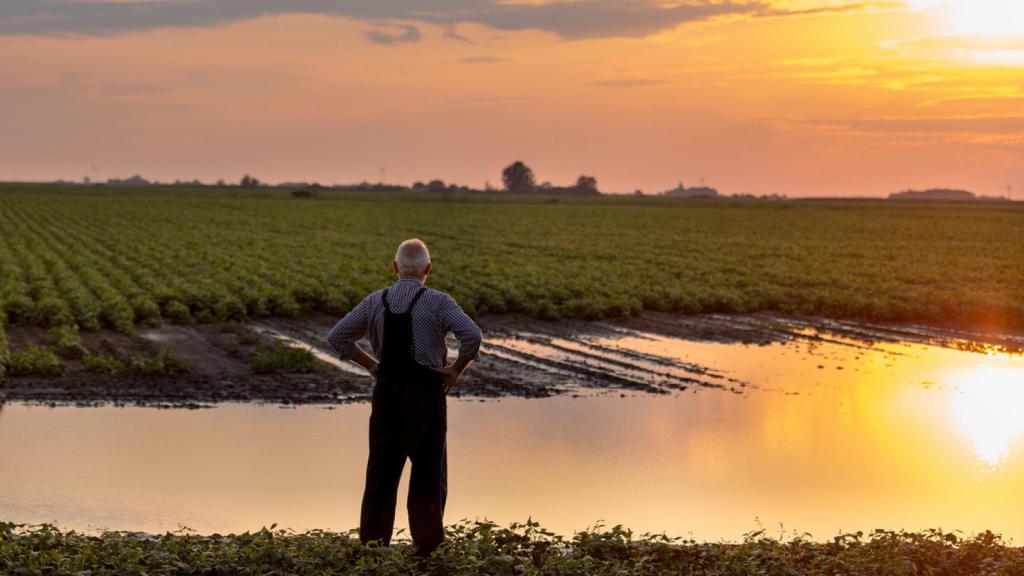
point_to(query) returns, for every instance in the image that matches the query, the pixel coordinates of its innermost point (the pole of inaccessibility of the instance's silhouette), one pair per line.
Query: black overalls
(408, 419)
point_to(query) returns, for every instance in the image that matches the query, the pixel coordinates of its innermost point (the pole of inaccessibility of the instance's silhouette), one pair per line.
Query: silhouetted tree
(518, 178)
(586, 185)
(249, 182)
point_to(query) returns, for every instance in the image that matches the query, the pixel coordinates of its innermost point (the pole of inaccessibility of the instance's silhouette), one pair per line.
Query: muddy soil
(519, 357)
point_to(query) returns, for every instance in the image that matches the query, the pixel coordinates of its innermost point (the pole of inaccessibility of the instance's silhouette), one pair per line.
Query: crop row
(119, 261)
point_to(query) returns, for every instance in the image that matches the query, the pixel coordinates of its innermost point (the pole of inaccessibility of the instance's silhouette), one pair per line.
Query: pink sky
(801, 97)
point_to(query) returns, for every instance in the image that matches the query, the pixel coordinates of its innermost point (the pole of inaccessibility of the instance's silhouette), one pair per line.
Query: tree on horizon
(518, 178)
(586, 185)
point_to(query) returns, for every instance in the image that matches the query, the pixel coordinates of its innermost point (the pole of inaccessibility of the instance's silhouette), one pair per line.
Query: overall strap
(416, 298)
(384, 300)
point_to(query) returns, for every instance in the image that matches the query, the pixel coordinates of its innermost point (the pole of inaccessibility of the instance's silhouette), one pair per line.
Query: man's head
(412, 259)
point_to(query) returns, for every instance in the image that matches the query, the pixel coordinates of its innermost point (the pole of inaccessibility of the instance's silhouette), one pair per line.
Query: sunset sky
(799, 97)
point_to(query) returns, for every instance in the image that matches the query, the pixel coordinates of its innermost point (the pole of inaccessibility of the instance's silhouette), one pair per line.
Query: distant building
(761, 197)
(940, 194)
(133, 181)
(585, 186)
(694, 192)
(566, 191)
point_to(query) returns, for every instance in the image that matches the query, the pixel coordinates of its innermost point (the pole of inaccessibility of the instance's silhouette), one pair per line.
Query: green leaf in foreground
(486, 548)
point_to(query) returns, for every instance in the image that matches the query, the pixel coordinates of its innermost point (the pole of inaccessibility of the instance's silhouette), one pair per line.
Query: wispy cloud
(408, 34)
(1001, 124)
(569, 19)
(1003, 130)
(815, 7)
(998, 50)
(628, 82)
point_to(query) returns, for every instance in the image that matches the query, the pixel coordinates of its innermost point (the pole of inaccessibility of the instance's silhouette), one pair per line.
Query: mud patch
(188, 391)
(765, 329)
(650, 354)
(204, 350)
(217, 361)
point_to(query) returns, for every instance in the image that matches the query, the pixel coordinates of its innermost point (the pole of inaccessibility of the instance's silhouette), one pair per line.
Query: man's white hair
(412, 257)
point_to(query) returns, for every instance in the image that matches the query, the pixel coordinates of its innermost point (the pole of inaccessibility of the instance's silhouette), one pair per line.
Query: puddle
(813, 428)
(737, 354)
(711, 465)
(821, 435)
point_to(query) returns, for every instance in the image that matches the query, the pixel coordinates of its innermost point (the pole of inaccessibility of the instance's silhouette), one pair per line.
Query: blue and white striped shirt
(435, 315)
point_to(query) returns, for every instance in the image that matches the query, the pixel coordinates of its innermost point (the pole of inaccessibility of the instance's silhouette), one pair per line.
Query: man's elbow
(333, 340)
(347, 351)
(341, 346)
(473, 342)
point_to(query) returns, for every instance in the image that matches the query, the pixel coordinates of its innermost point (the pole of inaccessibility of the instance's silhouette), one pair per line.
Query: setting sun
(987, 405)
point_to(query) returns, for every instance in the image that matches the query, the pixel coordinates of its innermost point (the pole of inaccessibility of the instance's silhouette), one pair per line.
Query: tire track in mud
(542, 364)
(634, 359)
(600, 366)
(525, 357)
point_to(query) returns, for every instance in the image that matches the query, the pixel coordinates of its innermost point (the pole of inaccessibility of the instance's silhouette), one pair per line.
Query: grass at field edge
(486, 548)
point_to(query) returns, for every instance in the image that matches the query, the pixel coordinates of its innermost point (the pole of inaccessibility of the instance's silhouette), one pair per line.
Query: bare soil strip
(520, 357)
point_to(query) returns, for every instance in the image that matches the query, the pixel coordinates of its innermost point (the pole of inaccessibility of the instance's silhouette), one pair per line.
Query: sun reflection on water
(988, 404)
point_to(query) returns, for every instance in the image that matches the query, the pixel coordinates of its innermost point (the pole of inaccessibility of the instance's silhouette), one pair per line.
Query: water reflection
(984, 384)
(988, 404)
(828, 437)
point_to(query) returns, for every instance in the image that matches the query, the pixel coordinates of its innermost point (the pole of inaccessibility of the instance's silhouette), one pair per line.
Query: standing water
(820, 435)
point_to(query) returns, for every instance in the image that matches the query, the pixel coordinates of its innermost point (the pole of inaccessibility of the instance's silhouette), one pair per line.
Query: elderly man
(407, 325)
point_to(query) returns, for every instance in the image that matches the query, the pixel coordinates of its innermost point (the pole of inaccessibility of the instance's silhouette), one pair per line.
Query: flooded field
(793, 427)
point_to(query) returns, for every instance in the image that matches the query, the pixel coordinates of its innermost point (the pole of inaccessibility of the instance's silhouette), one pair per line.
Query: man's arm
(451, 373)
(456, 321)
(364, 359)
(348, 331)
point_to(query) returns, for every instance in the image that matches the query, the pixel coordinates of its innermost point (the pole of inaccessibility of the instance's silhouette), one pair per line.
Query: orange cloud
(836, 97)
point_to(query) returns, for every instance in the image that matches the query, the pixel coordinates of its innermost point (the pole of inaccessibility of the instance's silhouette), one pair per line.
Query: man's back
(434, 316)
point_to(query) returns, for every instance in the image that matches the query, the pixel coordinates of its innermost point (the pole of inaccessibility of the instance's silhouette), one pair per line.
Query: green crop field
(119, 257)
